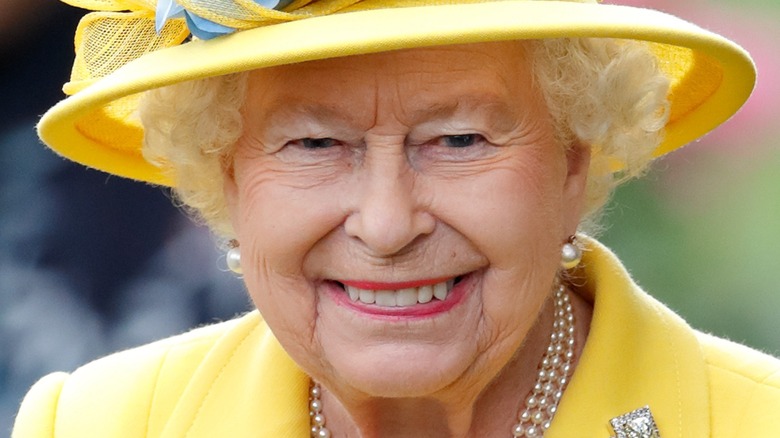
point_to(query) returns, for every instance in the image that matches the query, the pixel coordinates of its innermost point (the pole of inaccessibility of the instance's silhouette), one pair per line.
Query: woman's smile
(401, 301)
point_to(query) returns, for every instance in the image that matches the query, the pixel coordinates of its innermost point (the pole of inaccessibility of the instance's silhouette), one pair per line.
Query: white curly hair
(609, 94)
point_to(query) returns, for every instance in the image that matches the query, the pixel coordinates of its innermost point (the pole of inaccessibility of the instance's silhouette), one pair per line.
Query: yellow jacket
(234, 380)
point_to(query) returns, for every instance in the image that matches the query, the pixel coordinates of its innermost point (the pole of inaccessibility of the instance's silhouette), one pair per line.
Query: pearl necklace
(540, 406)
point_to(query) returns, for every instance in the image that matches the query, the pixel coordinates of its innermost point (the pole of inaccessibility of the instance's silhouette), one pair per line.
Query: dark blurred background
(91, 263)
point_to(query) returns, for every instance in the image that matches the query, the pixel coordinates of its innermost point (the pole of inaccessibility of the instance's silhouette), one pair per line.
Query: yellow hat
(119, 54)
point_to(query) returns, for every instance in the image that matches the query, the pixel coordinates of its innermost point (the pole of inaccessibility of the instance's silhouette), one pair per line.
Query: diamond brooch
(635, 424)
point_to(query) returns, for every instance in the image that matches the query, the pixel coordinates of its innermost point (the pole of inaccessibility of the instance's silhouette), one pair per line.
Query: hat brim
(711, 76)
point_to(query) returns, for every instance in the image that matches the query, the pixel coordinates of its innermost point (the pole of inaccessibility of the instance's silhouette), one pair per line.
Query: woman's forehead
(418, 82)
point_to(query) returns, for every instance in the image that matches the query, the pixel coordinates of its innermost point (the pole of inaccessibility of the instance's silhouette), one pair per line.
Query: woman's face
(364, 185)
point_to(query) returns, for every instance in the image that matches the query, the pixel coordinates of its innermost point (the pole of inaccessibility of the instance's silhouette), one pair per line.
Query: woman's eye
(461, 140)
(313, 150)
(317, 143)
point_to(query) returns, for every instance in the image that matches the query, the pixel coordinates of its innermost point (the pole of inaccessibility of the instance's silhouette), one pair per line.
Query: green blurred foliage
(701, 233)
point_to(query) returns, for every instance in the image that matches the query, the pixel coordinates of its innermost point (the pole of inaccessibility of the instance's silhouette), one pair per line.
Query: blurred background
(90, 263)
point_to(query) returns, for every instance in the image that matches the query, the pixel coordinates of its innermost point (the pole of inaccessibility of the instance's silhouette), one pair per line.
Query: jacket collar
(247, 386)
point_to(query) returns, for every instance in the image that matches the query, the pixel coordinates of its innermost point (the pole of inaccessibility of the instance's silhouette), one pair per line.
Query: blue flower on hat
(200, 27)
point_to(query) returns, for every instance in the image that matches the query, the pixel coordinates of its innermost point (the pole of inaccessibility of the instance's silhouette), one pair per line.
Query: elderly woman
(405, 187)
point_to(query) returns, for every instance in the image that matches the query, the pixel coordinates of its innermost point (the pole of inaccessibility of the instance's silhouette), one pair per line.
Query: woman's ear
(574, 191)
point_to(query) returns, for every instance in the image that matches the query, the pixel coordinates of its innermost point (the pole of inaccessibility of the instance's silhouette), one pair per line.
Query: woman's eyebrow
(493, 107)
(309, 112)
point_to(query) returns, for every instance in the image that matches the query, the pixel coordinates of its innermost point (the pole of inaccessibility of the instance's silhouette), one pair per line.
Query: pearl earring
(571, 254)
(233, 258)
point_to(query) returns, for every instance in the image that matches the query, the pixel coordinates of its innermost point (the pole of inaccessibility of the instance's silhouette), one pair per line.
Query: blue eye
(317, 143)
(462, 140)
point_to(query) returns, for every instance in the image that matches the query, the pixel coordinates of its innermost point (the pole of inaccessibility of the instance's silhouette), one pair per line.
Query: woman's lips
(402, 299)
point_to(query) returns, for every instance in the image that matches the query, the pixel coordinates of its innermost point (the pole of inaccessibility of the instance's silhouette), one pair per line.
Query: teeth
(425, 294)
(406, 297)
(385, 298)
(402, 297)
(440, 291)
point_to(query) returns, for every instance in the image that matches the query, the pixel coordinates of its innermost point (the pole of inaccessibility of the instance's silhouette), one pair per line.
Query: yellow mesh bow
(117, 33)
(120, 31)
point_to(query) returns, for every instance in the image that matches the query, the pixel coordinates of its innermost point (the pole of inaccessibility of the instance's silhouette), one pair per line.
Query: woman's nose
(390, 211)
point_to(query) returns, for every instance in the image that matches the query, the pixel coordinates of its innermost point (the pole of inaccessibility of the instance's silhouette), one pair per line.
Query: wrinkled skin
(409, 165)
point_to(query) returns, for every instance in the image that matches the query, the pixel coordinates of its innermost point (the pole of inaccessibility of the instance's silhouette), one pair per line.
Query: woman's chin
(396, 371)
